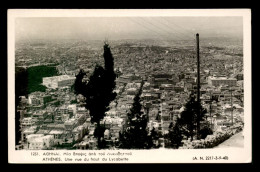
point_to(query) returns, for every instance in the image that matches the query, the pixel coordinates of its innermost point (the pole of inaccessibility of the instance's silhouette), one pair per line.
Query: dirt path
(236, 141)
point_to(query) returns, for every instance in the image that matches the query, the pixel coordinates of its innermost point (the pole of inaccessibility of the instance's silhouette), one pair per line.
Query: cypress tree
(174, 137)
(189, 118)
(78, 85)
(136, 135)
(98, 90)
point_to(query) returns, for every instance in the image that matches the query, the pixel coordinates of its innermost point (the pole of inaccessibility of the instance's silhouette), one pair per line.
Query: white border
(236, 155)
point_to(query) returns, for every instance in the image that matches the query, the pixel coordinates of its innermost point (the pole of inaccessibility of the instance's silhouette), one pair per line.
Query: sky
(115, 28)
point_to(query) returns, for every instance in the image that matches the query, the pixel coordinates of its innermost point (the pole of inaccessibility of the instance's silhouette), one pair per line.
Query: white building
(73, 108)
(217, 81)
(56, 133)
(33, 100)
(70, 124)
(39, 141)
(27, 131)
(58, 81)
(25, 122)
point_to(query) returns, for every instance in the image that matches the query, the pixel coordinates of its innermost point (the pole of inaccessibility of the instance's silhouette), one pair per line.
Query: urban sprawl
(55, 118)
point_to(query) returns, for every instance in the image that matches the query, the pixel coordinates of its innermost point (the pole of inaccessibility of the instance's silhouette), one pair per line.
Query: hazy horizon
(117, 28)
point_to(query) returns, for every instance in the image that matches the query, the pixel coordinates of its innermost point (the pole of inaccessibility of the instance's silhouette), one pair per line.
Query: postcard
(129, 86)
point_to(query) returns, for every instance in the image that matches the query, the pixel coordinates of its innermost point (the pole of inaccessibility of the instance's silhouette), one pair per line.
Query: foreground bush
(213, 140)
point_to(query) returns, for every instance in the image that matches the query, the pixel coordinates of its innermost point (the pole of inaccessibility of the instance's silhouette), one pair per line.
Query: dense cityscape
(51, 116)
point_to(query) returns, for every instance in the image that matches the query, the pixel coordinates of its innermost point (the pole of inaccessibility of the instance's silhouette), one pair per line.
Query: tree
(98, 90)
(158, 116)
(79, 85)
(204, 131)
(136, 135)
(153, 137)
(174, 137)
(189, 118)
(21, 76)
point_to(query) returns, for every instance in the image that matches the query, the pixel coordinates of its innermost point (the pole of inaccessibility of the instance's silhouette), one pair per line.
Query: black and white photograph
(124, 86)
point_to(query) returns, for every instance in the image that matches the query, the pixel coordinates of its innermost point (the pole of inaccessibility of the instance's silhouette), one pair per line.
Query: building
(79, 132)
(217, 81)
(25, 122)
(28, 131)
(240, 76)
(39, 141)
(70, 124)
(34, 100)
(57, 134)
(58, 81)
